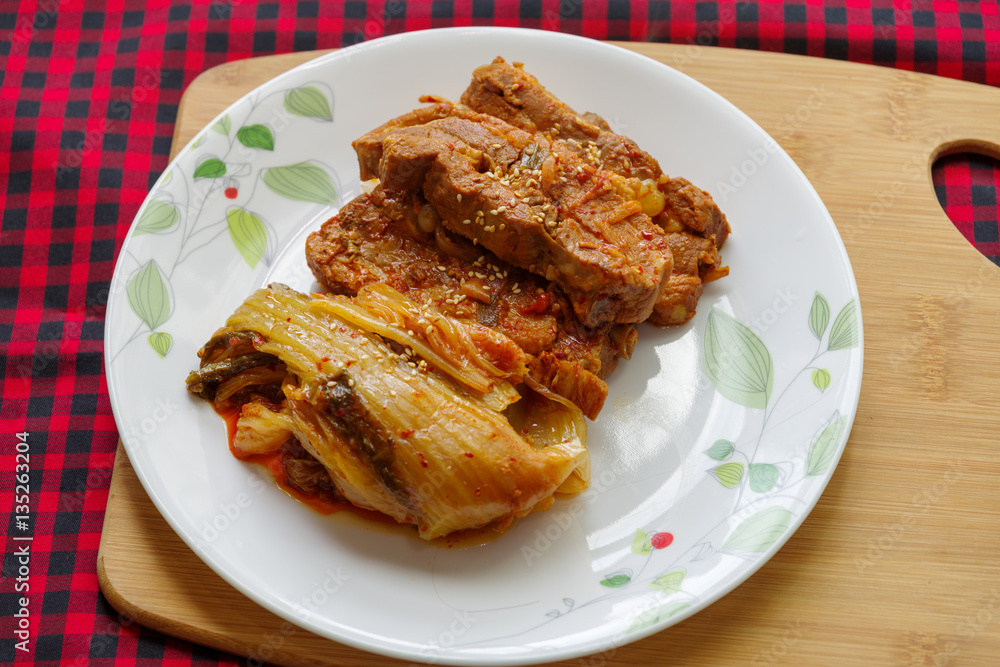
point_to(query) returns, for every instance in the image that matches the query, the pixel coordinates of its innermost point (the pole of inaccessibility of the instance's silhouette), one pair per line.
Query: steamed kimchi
(394, 407)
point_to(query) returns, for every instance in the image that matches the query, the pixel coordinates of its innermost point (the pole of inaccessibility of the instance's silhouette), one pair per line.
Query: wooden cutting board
(899, 563)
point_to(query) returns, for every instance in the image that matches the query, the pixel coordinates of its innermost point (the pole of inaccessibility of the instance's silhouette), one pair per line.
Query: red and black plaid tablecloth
(87, 108)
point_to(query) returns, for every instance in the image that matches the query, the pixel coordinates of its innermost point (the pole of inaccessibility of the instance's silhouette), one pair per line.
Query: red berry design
(661, 540)
(231, 193)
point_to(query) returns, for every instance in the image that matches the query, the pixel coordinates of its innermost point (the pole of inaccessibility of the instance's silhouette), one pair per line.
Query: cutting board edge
(106, 578)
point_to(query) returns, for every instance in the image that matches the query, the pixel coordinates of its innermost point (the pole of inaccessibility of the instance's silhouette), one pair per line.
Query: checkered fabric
(88, 102)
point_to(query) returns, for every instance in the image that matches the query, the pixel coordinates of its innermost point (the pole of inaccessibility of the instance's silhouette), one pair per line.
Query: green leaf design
(199, 141)
(825, 445)
(256, 136)
(737, 362)
(248, 233)
(657, 614)
(763, 477)
(669, 582)
(158, 216)
(302, 182)
(641, 543)
(821, 378)
(160, 342)
(308, 101)
(210, 168)
(616, 581)
(148, 295)
(819, 315)
(760, 531)
(223, 125)
(729, 474)
(721, 450)
(845, 332)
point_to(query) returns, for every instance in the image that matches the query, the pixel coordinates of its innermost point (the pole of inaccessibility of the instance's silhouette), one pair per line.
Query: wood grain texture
(897, 564)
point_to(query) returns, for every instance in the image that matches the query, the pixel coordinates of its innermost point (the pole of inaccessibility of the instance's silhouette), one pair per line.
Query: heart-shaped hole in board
(967, 184)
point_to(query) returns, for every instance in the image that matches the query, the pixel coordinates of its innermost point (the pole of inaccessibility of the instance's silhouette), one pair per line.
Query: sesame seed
(494, 211)
(350, 382)
(467, 222)
(441, 268)
(459, 196)
(409, 332)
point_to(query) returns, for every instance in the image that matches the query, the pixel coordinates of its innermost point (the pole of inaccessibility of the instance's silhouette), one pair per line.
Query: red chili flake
(319, 365)
(406, 433)
(647, 235)
(234, 340)
(540, 305)
(469, 455)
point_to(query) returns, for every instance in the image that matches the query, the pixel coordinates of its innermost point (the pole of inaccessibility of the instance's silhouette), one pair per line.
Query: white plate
(728, 465)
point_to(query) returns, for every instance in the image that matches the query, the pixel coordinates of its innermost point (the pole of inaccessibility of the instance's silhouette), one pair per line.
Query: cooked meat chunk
(586, 390)
(535, 204)
(508, 92)
(696, 261)
(688, 207)
(511, 94)
(396, 240)
(368, 147)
